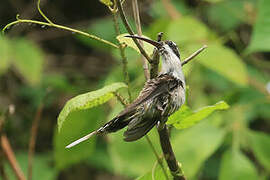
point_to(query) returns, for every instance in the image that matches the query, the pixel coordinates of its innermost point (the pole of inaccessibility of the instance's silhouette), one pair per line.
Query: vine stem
(42, 14)
(59, 27)
(51, 24)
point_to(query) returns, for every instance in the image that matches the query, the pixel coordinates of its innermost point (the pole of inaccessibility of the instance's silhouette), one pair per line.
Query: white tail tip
(81, 139)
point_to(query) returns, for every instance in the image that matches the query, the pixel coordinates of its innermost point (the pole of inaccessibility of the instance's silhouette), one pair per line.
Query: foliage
(209, 144)
(16, 52)
(235, 165)
(185, 118)
(260, 38)
(88, 100)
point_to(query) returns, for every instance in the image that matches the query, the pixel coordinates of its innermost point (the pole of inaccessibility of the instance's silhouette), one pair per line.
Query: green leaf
(218, 13)
(137, 152)
(187, 29)
(4, 54)
(235, 166)
(106, 2)
(101, 158)
(129, 42)
(88, 100)
(28, 60)
(78, 124)
(260, 145)
(185, 118)
(223, 61)
(159, 25)
(260, 39)
(182, 113)
(189, 34)
(157, 10)
(99, 27)
(193, 146)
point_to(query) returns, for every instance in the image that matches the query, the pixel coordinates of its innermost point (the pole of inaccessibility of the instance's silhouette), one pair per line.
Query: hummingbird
(159, 98)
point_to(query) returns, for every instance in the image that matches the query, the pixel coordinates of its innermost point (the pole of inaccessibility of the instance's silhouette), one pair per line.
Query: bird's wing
(140, 126)
(152, 88)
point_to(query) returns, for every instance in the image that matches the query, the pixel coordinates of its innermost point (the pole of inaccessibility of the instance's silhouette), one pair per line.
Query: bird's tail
(81, 139)
(111, 126)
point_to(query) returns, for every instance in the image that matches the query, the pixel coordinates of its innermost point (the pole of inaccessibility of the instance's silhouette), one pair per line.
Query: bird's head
(170, 56)
(166, 48)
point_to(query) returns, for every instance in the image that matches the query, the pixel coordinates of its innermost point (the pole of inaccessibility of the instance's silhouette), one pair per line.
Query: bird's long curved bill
(81, 139)
(150, 41)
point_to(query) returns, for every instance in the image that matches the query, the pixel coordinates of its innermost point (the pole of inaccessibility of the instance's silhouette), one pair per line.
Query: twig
(33, 138)
(193, 55)
(122, 52)
(130, 31)
(259, 86)
(155, 59)
(136, 15)
(166, 146)
(120, 99)
(173, 13)
(11, 157)
(2, 170)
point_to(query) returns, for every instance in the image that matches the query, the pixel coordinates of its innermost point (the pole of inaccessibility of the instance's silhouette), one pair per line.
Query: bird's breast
(177, 99)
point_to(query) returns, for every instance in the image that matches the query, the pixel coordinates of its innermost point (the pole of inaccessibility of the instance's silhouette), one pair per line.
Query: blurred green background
(42, 68)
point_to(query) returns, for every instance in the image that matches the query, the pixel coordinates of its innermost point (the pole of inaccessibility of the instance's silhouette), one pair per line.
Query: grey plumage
(159, 98)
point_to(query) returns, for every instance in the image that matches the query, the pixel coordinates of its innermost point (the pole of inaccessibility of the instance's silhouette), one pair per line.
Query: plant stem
(120, 99)
(169, 7)
(136, 15)
(166, 146)
(42, 14)
(59, 27)
(33, 138)
(130, 31)
(123, 55)
(2, 168)
(193, 55)
(11, 157)
(155, 59)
